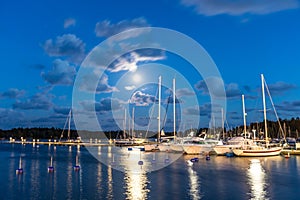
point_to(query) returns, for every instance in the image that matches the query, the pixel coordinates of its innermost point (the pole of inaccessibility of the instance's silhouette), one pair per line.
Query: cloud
(12, 93)
(10, 118)
(142, 99)
(280, 87)
(231, 90)
(69, 22)
(239, 7)
(107, 29)
(192, 111)
(61, 73)
(89, 80)
(130, 61)
(184, 92)
(289, 106)
(39, 101)
(103, 106)
(130, 87)
(61, 110)
(67, 45)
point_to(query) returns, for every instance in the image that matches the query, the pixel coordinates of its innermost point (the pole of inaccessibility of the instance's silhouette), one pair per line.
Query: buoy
(20, 169)
(207, 157)
(76, 167)
(229, 154)
(189, 163)
(140, 162)
(51, 168)
(287, 155)
(142, 149)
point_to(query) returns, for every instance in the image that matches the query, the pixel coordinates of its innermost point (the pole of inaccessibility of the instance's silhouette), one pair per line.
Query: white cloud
(106, 28)
(142, 99)
(69, 22)
(130, 61)
(240, 7)
(130, 87)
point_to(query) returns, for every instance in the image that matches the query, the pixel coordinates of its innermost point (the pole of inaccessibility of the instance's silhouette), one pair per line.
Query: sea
(218, 177)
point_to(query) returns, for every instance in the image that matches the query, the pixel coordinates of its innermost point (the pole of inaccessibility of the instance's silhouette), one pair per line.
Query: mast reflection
(257, 180)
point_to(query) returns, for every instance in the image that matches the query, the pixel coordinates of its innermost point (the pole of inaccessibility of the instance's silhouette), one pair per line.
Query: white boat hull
(176, 148)
(150, 147)
(164, 147)
(223, 149)
(195, 148)
(257, 152)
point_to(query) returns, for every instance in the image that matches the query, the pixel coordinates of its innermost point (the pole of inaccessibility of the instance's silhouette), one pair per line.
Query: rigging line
(67, 120)
(151, 114)
(165, 117)
(280, 127)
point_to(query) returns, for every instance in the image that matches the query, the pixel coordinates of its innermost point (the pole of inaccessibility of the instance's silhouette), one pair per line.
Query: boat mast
(174, 110)
(159, 102)
(124, 125)
(69, 125)
(244, 115)
(223, 131)
(264, 105)
(132, 123)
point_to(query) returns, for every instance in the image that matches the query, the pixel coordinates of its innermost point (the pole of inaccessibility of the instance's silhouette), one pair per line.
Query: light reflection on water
(219, 178)
(257, 180)
(136, 185)
(194, 184)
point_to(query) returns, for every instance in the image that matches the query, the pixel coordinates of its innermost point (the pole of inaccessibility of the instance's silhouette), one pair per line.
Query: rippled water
(218, 178)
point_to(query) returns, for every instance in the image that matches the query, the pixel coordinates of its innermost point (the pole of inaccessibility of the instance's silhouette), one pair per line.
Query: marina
(233, 178)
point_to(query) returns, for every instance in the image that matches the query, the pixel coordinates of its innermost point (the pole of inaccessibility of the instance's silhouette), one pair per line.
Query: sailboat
(235, 142)
(253, 150)
(68, 121)
(154, 147)
(166, 146)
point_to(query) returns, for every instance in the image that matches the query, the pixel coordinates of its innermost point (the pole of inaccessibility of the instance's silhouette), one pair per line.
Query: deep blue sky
(44, 42)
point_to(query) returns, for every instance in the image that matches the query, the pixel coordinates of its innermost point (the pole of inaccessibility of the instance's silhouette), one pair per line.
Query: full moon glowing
(136, 78)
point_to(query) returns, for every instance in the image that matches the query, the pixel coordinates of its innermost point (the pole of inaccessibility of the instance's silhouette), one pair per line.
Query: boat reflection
(194, 184)
(257, 180)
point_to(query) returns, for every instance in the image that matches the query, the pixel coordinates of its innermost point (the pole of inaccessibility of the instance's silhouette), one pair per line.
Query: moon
(136, 78)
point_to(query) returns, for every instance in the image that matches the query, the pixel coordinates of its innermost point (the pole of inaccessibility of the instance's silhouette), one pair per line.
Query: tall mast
(174, 109)
(69, 124)
(132, 123)
(159, 102)
(264, 105)
(124, 125)
(223, 131)
(244, 115)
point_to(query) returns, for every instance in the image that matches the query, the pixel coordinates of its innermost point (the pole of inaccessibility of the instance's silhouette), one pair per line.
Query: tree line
(283, 128)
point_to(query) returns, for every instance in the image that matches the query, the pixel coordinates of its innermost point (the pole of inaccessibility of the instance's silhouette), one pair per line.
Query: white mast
(264, 105)
(159, 102)
(223, 131)
(69, 125)
(124, 125)
(244, 115)
(132, 123)
(174, 109)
